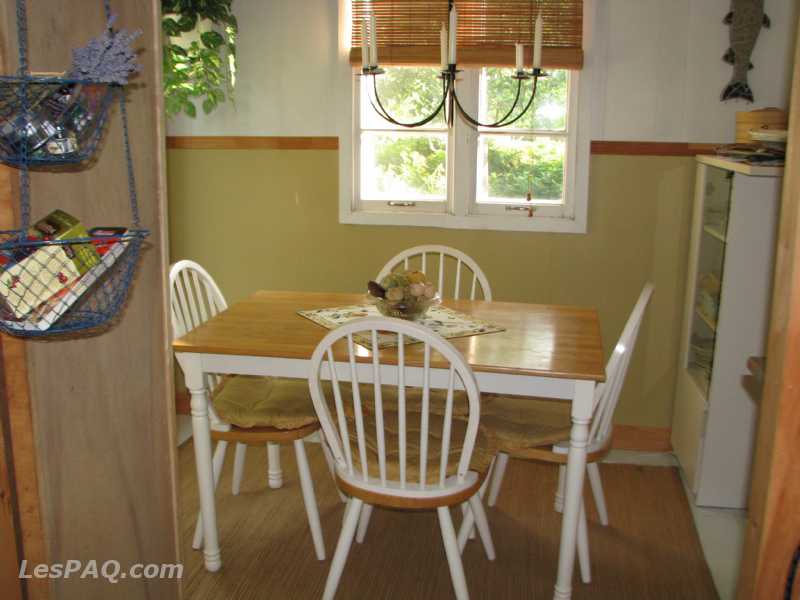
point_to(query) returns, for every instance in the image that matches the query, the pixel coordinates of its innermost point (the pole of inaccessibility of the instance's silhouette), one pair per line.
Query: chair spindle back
(428, 258)
(194, 298)
(348, 416)
(607, 394)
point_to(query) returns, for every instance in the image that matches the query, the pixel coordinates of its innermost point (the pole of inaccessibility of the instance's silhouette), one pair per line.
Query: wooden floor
(650, 550)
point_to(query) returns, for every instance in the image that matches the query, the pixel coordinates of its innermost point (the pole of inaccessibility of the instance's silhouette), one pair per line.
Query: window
(461, 176)
(528, 157)
(401, 167)
(465, 177)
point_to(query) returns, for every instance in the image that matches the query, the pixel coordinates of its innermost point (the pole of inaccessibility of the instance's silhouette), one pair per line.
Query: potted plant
(199, 54)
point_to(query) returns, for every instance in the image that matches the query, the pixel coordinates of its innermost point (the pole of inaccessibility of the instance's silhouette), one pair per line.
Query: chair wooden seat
(519, 423)
(247, 401)
(262, 435)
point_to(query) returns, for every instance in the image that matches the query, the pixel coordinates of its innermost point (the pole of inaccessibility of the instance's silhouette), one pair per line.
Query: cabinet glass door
(711, 258)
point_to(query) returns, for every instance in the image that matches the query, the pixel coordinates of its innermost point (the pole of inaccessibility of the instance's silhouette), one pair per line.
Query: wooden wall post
(773, 523)
(101, 407)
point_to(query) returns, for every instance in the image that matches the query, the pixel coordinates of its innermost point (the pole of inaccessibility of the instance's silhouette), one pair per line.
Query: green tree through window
(416, 162)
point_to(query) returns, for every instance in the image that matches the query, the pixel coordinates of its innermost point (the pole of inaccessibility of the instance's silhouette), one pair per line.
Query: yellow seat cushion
(247, 401)
(389, 399)
(482, 454)
(518, 422)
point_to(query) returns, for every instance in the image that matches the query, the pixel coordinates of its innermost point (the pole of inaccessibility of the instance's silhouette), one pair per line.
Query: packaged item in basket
(40, 271)
(47, 313)
(60, 225)
(114, 235)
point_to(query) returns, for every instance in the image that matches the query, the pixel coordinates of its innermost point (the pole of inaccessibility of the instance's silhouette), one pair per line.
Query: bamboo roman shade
(408, 31)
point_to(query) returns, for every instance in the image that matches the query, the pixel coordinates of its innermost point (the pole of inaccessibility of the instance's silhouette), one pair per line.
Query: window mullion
(465, 145)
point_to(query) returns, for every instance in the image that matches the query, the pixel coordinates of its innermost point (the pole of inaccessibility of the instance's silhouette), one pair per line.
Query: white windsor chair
(195, 298)
(600, 432)
(438, 463)
(446, 255)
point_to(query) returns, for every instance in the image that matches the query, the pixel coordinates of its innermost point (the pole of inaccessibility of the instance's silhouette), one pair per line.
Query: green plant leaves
(187, 22)
(170, 27)
(212, 39)
(204, 70)
(189, 108)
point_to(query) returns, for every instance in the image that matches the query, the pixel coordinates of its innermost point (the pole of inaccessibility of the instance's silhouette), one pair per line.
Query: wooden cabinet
(726, 316)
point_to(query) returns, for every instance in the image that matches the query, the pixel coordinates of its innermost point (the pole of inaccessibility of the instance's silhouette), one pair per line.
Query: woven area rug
(650, 550)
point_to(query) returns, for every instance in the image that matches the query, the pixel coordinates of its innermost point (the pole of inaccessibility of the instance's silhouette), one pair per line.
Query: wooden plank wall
(102, 409)
(773, 519)
(10, 543)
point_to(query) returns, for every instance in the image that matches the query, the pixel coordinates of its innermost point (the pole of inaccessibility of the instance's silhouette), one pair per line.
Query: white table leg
(201, 431)
(576, 467)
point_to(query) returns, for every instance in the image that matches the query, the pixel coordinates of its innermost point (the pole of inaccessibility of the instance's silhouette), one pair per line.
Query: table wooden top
(542, 340)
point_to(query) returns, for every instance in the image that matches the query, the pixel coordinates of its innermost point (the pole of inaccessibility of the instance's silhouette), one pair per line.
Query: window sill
(486, 222)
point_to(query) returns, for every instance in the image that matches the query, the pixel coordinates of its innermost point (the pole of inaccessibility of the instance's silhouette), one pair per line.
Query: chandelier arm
(385, 114)
(527, 106)
(503, 122)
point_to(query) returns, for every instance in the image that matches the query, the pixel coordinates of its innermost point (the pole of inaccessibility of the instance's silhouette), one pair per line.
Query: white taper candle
(518, 48)
(373, 42)
(443, 43)
(451, 54)
(537, 42)
(364, 45)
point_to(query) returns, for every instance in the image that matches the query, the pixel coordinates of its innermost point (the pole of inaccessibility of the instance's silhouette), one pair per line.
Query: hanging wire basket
(56, 277)
(51, 121)
(60, 286)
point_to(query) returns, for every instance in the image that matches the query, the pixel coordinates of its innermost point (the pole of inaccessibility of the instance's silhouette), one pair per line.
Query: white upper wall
(665, 74)
(660, 70)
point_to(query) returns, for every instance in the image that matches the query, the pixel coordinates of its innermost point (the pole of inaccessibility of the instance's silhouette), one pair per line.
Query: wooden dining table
(545, 350)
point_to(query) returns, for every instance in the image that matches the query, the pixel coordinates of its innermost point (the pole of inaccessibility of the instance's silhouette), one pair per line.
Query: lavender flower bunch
(108, 59)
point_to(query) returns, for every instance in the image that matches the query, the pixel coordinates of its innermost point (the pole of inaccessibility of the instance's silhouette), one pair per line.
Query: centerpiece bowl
(403, 295)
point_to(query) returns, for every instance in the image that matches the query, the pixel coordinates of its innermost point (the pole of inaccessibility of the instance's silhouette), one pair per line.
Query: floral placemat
(444, 321)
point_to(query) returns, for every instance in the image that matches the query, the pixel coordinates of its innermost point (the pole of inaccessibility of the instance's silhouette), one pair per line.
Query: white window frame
(382, 206)
(460, 212)
(560, 210)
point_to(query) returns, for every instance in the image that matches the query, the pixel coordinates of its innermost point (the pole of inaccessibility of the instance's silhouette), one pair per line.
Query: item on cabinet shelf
(771, 138)
(707, 305)
(746, 19)
(701, 354)
(710, 284)
(708, 290)
(762, 119)
(752, 153)
(404, 295)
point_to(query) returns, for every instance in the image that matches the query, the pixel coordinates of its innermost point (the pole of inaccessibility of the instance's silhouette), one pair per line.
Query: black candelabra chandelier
(449, 102)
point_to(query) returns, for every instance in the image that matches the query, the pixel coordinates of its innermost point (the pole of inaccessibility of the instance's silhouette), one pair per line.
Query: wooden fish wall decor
(746, 20)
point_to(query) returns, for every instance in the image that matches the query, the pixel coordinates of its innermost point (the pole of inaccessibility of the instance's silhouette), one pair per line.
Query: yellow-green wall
(268, 219)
